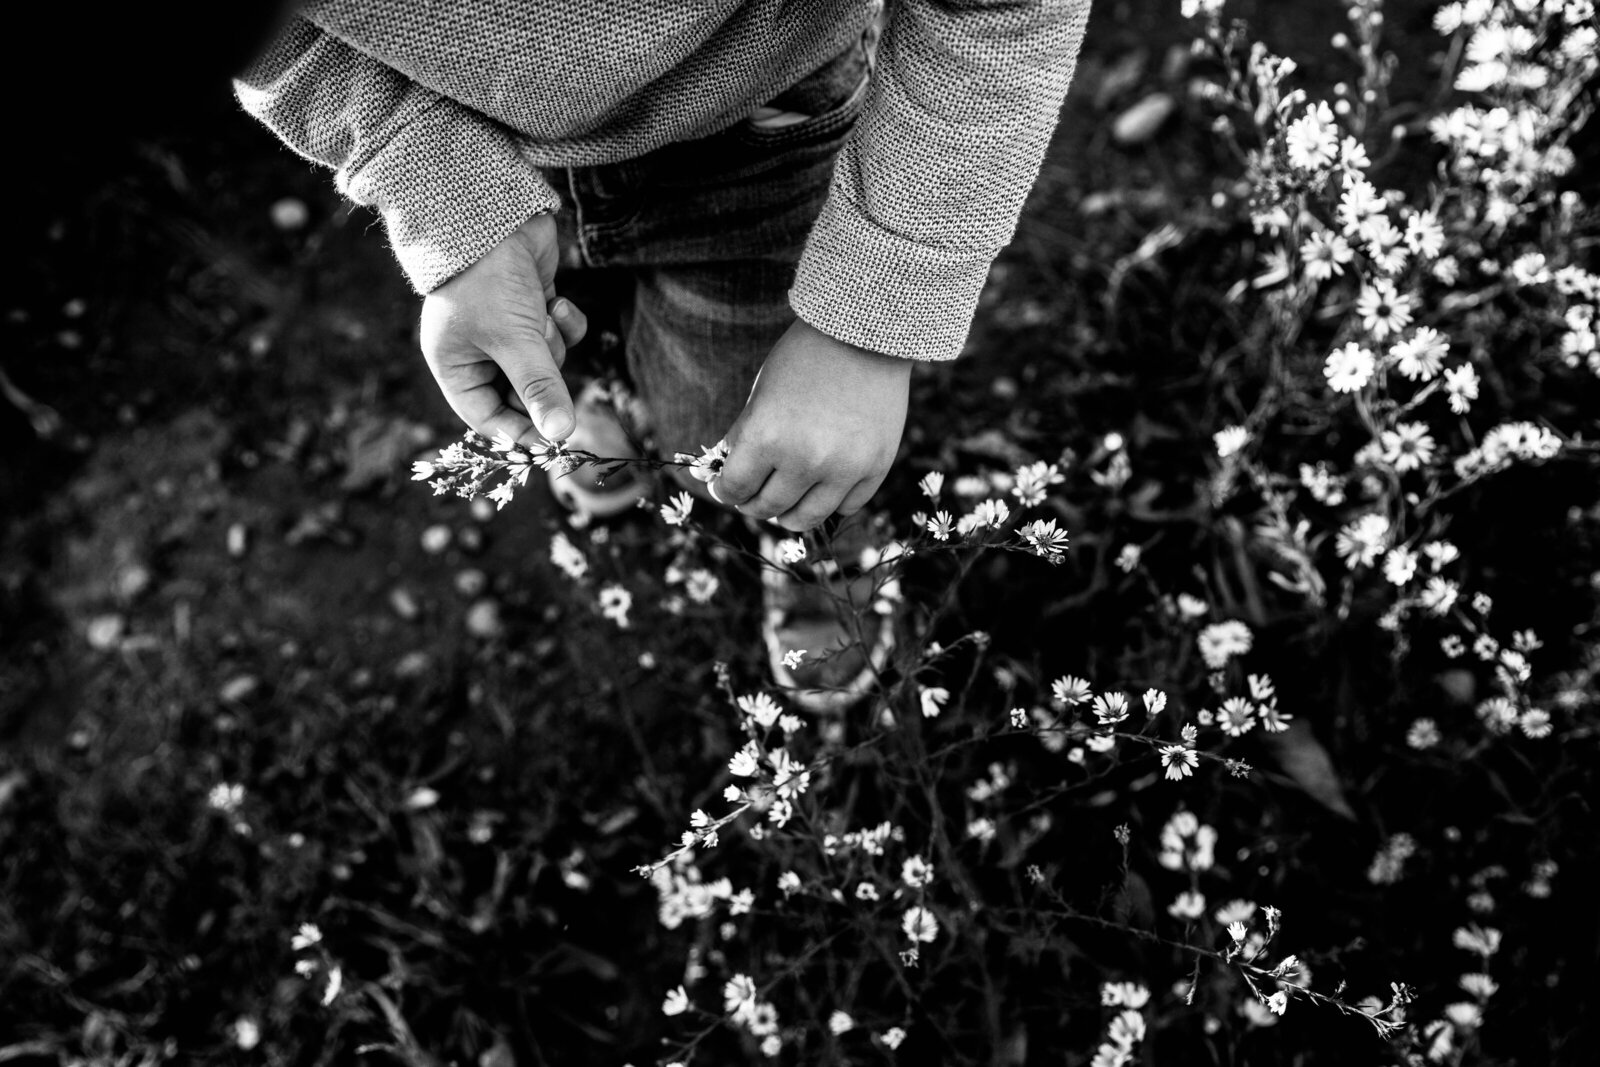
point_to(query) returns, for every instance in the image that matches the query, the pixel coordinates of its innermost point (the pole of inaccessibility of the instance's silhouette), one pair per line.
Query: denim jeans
(696, 245)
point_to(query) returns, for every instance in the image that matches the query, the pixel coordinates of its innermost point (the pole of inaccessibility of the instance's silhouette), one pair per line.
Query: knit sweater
(439, 114)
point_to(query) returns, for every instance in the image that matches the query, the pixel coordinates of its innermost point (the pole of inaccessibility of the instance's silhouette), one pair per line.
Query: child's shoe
(841, 616)
(602, 432)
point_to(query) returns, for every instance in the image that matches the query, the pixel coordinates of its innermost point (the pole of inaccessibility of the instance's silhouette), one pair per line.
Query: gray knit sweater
(438, 113)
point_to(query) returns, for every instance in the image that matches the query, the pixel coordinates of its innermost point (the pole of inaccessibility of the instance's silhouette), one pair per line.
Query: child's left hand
(819, 432)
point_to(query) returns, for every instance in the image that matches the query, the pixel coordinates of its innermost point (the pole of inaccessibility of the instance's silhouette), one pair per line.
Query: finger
(536, 380)
(570, 319)
(781, 492)
(473, 392)
(808, 512)
(743, 475)
(555, 341)
(857, 498)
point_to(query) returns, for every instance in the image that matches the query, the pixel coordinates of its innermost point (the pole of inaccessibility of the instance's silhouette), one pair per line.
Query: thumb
(535, 377)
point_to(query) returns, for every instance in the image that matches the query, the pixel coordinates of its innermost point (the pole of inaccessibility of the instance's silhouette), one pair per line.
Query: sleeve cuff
(450, 186)
(875, 289)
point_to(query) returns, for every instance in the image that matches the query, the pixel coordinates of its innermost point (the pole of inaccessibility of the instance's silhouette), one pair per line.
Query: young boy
(799, 221)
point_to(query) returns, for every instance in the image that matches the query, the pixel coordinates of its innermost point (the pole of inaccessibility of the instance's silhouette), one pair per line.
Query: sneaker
(601, 431)
(842, 616)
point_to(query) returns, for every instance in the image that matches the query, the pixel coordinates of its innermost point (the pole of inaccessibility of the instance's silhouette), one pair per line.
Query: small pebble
(1140, 122)
(404, 603)
(413, 665)
(471, 582)
(422, 798)
(237, 689)
(290, 213)
(436, 538)
(104, 631)
(483, 619)
(132, 580)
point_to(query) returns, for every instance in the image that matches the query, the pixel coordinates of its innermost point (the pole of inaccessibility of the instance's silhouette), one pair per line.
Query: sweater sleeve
(447, 180)
(929, 185)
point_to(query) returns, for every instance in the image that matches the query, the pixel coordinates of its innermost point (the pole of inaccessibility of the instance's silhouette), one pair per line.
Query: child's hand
(502, 314)
(818, 433)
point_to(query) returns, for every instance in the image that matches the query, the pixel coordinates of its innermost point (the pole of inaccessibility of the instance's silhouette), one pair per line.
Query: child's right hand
(502, 314)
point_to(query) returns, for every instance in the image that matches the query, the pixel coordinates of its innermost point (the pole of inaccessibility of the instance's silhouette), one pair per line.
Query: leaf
(1301, 756)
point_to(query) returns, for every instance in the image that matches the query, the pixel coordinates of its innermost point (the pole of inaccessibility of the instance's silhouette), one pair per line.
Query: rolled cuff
(450, 186)
(875, 289)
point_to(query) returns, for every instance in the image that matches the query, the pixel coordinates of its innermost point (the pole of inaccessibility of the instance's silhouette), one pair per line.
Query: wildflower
(1237, 717)
(1485, 941)
(788, 883)
(1359, 542)
(1155, 701)
(1358, 202)
(1407, 447)
(892, 1038)
(760, 707)
(501, 494)
(867, 891)
(1349, 368)
(1312, 141)
(1236, 911)
(225, 797)
(701, 585)
(1221, 641)
(1237, 931)
(335, 984)
(1384, 245)
(1230, 440)
(939, 526)
(246, 1033)
(306, 936)
(1047, 539)
(840, 1022)
(567, 556)
(991, 513)
(676, 1003)
(1424, 236)
(1462, 385)
(1535, 723)
(1438, 595)
(791, 550)
(981, 829)
(1189, 904)
(1033, 481)
(1069, 691)
(615, 601)
(920, 925)
(745, 762)
(792, 658)
(916, 872)
(1383, 310)
(1124, 995)
(1420, 356)
(1324, 255)
(1127, 1029)
(1193, 8)
(1323, 485)
(739, 996)
(1191, 607)
(931, 484)
(1278, 1002)
(1179, 760)
(932, 700)
(1422, 734)
(1389, 863)
(1440, 553)
(706, 467)
(675, 512)
(788, 774)
(1399, 565)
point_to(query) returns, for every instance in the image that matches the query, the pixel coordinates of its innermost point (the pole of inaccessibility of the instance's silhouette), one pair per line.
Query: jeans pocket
(824, 129)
